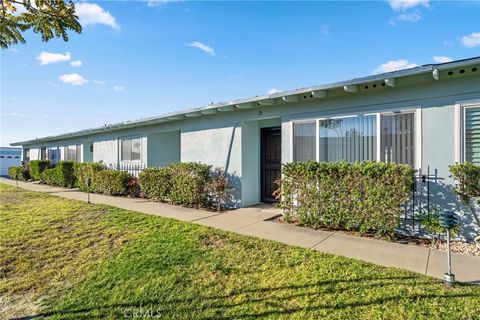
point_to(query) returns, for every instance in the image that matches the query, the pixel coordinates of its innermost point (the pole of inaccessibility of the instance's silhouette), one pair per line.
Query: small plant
(19, 172)
(430, 220)
(218, 189)
(133, 188)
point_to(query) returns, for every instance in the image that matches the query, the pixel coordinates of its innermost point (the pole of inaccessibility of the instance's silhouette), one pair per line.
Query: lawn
(67, 259)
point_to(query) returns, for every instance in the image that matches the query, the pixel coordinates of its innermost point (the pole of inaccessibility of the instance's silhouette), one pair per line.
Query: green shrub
(431, 222)
(62, 175)
(467, 187)
(19, 172)
(37, 167)
(85, 170)
(188, 183)
(112, 182)
(156, 183)
(361, 196)
(218, 190)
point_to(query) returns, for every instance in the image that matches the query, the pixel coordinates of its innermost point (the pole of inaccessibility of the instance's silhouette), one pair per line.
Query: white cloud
(98, 82)
(273, 91)
(406, 17)
(441, 59)
(118, 88)
(14, 50)
(393, 65)
(76, 63)
(402, 5)
(92, 14)
(203, 47)
(45, 58)
(471, 40)
(154, 3)
(73, 78)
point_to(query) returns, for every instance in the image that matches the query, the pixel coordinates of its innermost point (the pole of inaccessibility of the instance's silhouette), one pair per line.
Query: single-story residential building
(427, 117)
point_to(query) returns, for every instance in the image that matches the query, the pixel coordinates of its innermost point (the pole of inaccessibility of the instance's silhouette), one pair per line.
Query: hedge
(85, 170)
(187, 184)
(19, 172)
(112, 182)
(62, 175)
(467, 186)
(361, 196)
(156, 183)
(36, 168)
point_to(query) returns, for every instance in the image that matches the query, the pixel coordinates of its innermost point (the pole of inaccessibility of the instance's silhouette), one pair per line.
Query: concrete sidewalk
(253, 222)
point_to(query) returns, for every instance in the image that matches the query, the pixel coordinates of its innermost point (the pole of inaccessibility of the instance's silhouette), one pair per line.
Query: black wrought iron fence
(133, 168)
(421, 201)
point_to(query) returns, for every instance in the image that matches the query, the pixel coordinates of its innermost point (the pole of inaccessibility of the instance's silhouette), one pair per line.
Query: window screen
(131, 149)
(472, 135)
(348, 139)
(304, 141)
(398, 138)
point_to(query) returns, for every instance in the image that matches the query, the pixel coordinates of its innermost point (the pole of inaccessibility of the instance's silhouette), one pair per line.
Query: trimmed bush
(36, 168)
(467, 186)
(362, 196)
(112, 182)
(62, 175)
(83, 171)
(218, 190)
(19, 172)
(156, 183)
(188, 183)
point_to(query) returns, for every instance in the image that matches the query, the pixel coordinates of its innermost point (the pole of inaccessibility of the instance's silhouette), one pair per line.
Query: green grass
(66, 259)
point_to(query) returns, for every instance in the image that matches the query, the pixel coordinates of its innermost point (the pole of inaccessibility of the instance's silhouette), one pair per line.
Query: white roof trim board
(350, 86)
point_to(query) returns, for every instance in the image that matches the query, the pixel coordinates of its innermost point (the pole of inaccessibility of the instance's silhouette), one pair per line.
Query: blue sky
(146, 58)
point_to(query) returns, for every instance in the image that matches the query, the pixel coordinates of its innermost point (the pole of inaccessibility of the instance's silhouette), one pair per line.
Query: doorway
(271, 161)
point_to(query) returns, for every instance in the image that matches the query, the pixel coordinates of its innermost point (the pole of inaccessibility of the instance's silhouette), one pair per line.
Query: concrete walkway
(253, 222)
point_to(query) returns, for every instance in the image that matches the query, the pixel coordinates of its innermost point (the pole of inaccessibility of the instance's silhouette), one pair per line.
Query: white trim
(317, 140)
(379, 137)
(458, 133)
(418, 138)
(292, 150)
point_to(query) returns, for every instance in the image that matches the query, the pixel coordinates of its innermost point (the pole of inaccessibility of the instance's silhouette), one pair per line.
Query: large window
(73, 153)
(26, 154)
(131, 149)
(472, 135)
(43, 154)
(398, 138)
(351, 139)
(388, 137)
(304, 140)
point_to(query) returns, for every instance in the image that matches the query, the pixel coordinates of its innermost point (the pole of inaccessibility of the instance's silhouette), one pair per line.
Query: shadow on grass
(216, 302)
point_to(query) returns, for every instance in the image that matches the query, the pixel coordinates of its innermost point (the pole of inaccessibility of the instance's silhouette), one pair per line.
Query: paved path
(252, 221)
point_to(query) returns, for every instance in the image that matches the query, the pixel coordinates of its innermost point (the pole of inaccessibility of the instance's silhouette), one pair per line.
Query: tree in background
(49, 18)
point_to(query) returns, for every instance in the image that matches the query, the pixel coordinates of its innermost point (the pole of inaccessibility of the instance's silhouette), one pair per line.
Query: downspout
(227, 161)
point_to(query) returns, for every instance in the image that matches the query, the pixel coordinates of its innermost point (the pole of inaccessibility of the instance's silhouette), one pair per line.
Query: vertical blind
(131, 149)
(472, 135)
(304, 140)
(398, 138)
(350, 139)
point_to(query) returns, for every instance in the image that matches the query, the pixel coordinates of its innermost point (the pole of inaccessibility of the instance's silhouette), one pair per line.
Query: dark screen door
(271, 161)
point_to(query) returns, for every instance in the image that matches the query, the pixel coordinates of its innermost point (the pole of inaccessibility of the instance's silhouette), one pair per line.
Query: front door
(271, 161)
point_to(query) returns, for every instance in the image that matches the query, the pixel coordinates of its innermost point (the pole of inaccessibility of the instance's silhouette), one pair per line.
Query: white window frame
(460, 128)
(121, 149)
(417, 110)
